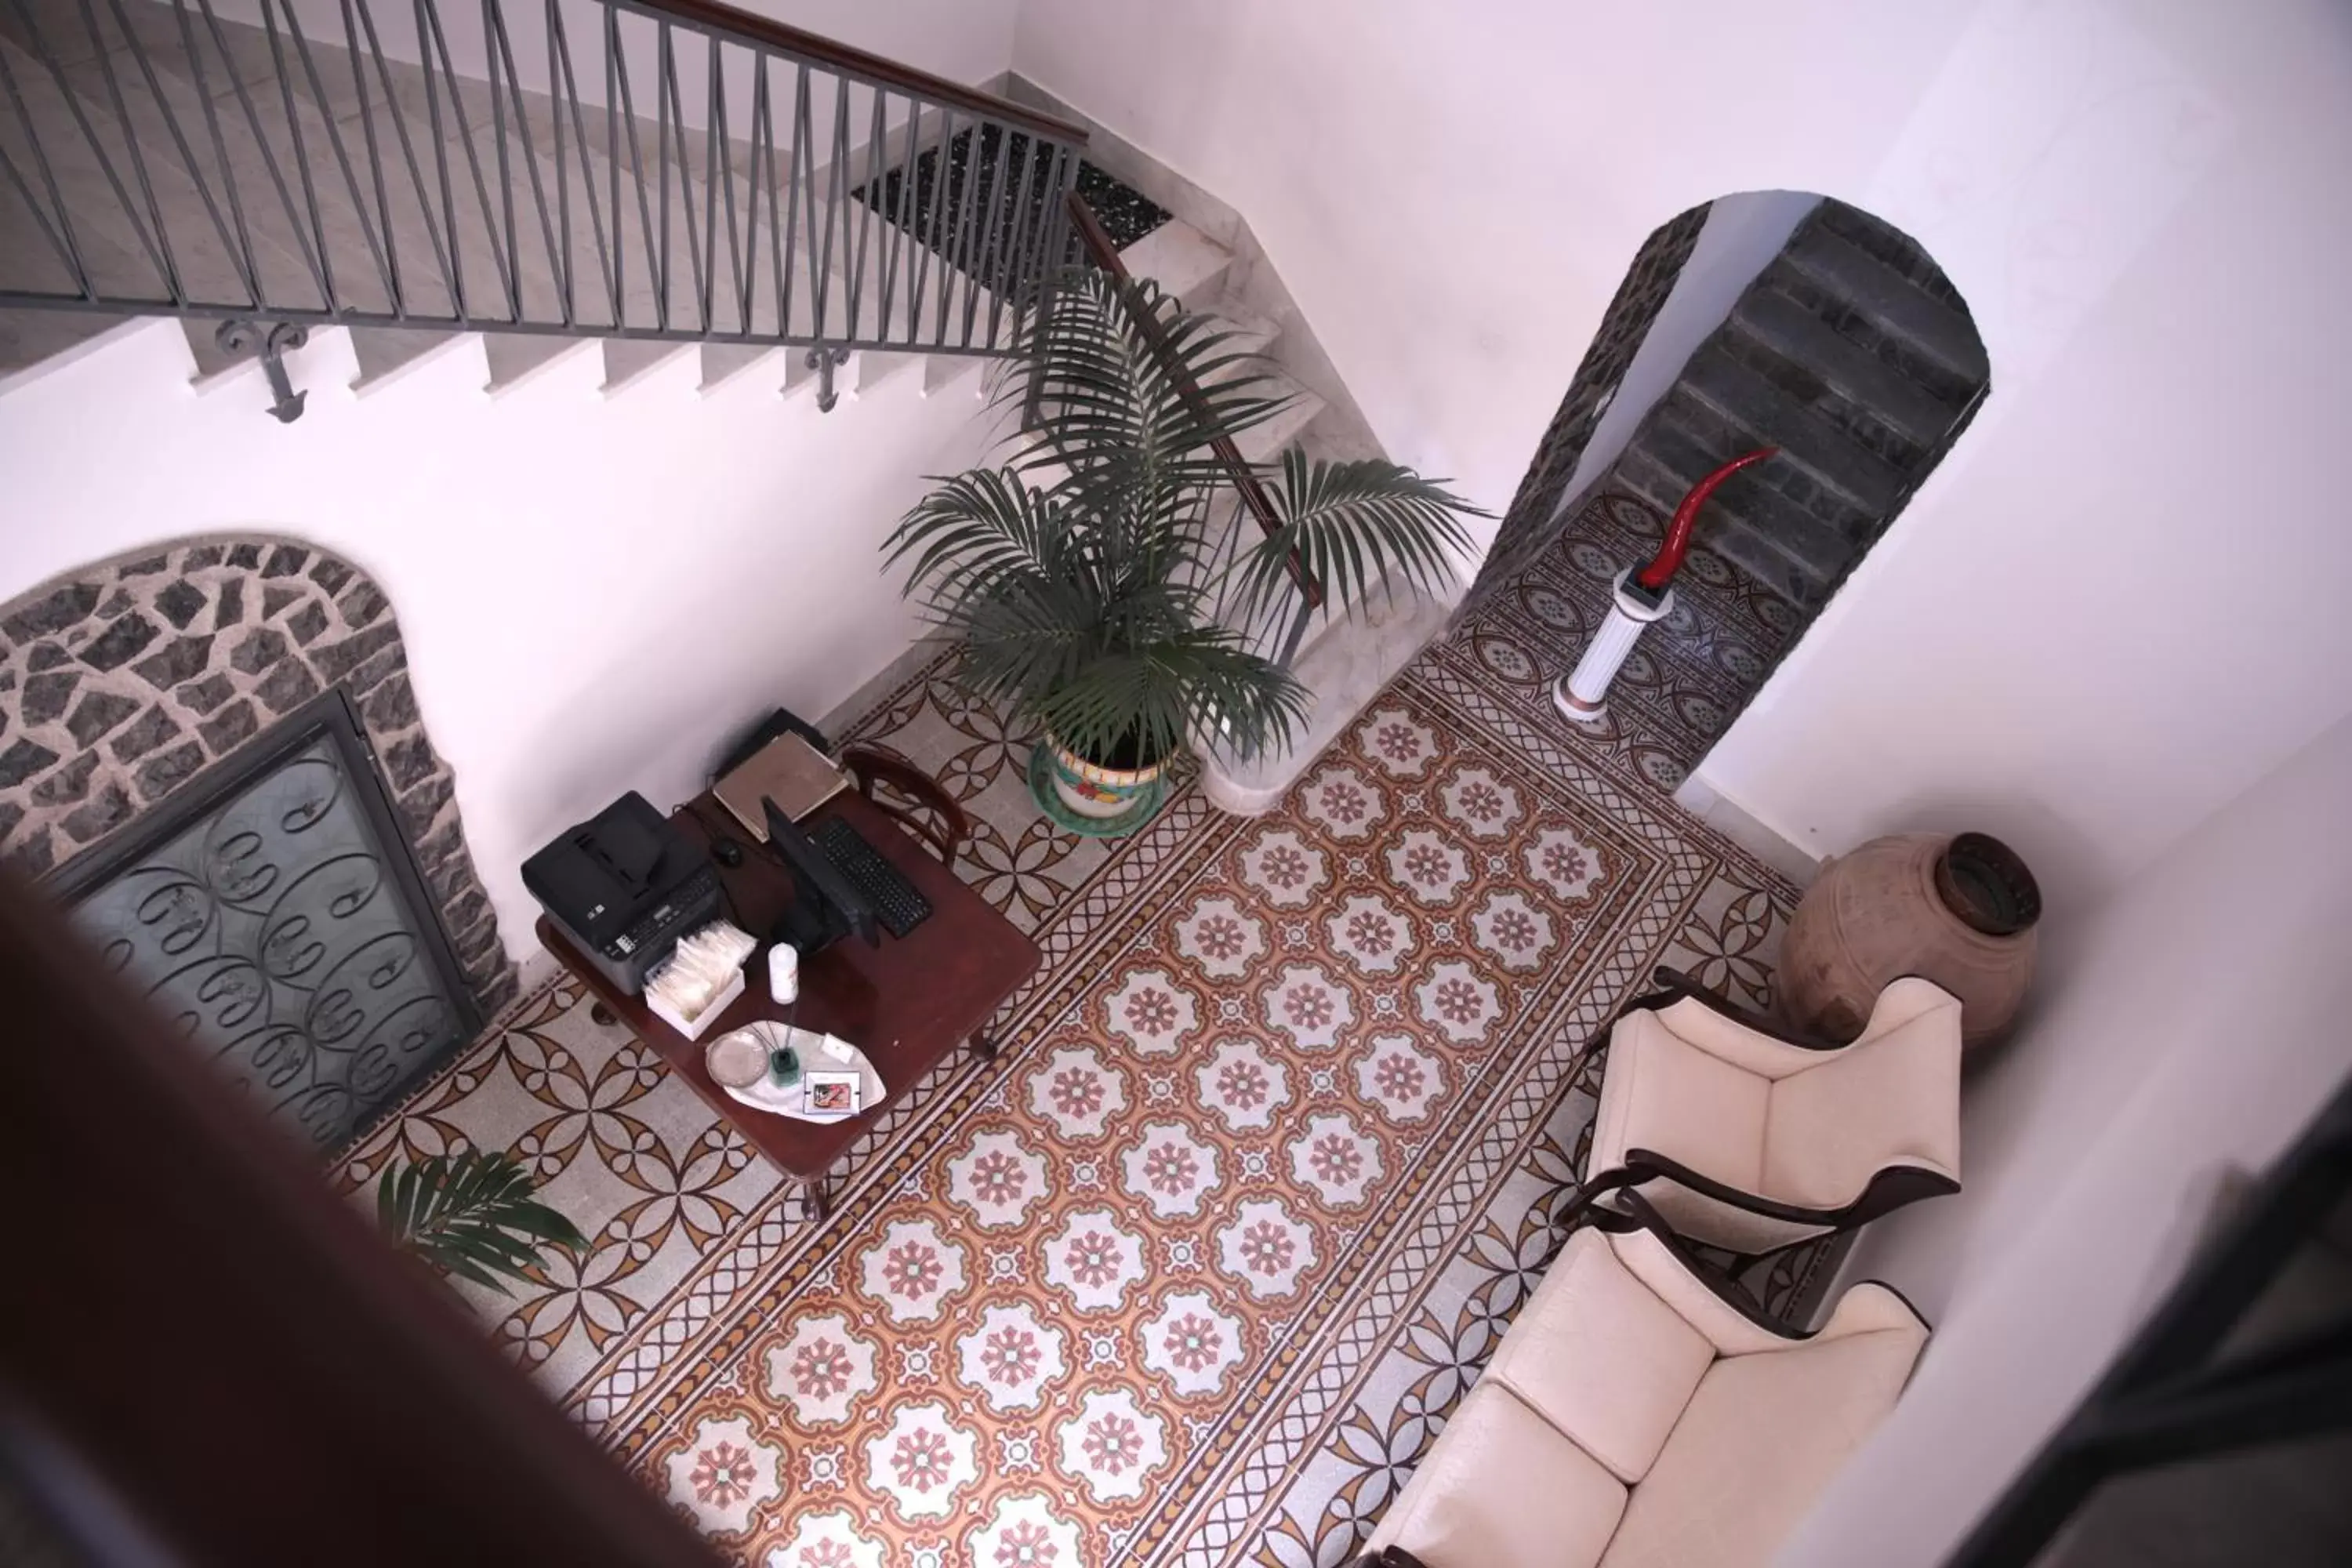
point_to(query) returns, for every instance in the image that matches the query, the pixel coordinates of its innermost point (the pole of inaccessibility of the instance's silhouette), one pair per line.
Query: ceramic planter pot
(1100, 793)
(1960, 912)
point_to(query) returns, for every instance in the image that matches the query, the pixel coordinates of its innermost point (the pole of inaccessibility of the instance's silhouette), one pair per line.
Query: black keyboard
(896, 900)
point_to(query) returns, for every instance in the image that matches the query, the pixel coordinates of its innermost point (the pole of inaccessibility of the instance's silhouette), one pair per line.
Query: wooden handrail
(872, 68)
(1261, 507)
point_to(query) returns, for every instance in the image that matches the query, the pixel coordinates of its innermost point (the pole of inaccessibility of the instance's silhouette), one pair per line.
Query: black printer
(624, 886)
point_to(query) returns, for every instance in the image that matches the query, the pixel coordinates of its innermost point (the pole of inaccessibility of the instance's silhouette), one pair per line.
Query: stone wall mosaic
(121, 681)
(1534, 520)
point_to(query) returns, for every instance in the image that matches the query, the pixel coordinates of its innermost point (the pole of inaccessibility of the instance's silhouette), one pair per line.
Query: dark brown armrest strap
(1387, 1557)
(1725, 1287)
(1673, 986)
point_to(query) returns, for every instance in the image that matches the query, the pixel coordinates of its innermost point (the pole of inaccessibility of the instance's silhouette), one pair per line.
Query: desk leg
(601, 1015)
(815, 1199)
(984, 1045)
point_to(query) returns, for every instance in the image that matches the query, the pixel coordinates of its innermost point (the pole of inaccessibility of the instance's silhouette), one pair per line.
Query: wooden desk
(906, 1004)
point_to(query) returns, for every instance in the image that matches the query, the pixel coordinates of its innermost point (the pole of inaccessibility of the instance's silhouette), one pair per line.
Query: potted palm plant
(1109, 583)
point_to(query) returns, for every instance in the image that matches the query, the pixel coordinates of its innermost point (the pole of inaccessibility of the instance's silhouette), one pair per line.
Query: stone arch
(1782, 318)
(123, 679)
(1525, 528)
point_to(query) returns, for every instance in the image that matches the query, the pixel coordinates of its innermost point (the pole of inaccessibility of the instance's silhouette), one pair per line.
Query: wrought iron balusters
(609, 168)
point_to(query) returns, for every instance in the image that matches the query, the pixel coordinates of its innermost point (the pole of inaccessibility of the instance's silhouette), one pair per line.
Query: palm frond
(1131, 388)
(473, 1214)
(975, 527)
(1352, 525)
(1202, 681)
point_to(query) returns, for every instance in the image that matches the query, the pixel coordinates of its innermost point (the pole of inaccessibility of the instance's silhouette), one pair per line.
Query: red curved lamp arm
(1669, 560)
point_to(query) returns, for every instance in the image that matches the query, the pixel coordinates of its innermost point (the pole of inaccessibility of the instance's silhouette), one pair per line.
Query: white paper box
(703, 1020)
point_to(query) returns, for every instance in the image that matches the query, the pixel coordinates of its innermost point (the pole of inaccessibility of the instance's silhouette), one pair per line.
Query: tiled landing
(1269, 1161)
(1687, 679)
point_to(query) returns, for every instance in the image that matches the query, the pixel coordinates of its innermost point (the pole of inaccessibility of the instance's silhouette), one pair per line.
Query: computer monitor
(825, 906)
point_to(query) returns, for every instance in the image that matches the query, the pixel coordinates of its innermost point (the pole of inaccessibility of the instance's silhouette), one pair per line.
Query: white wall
(2195, 1022)
(2130, 473)
(595, 591)
(2141, 203)
(1744, 231)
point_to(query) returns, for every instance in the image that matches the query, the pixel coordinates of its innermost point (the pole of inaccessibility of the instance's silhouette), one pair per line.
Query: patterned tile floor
(1691, 673)
(1193, 1274)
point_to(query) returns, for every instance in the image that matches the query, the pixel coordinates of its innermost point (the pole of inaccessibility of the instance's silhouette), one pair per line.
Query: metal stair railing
(674, 170)
(1282, 638)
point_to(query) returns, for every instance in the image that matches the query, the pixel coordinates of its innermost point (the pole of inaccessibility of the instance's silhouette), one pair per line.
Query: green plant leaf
(1353, 525)
(472, 1215)
(537, 1220)
(1095, 578)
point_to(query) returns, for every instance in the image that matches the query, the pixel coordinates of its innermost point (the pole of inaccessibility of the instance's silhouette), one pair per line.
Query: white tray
(822, 1053)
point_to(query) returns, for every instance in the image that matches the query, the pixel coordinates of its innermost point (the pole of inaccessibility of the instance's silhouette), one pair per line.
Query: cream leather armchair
(1639, 1414)
(1748, 1137)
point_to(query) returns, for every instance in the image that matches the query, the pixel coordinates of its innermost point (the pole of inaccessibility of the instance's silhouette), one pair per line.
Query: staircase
(1852, 354)
(658, 181)
(551, 195)
(324, 168)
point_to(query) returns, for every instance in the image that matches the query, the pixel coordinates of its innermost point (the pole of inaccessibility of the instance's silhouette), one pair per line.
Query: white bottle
(784, 974)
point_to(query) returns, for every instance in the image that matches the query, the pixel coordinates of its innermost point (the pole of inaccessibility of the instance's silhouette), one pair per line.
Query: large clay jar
(1959, 911)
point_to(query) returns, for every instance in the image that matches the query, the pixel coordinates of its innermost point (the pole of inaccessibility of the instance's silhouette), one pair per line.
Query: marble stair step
(1238, 530)
(417, 241)
(1251, 332)
(956, 372)
(218, 106)
(869, 368)
(31, 259)
(89, 156)
(723, 364)
(384, 352)
(1344, 662)
(628, 361)
(295, 228)
(1248, 338)
(1181, 260)
(28, 337)
(515, 358)
(1265, 443)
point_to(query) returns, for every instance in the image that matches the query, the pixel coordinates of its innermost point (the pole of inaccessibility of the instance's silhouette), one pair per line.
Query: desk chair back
(910, 796)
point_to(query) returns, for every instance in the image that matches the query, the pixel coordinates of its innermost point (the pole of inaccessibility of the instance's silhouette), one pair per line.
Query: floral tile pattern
(1194, 1271)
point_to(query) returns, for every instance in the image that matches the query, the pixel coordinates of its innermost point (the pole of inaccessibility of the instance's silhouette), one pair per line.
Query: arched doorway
(1777, 319)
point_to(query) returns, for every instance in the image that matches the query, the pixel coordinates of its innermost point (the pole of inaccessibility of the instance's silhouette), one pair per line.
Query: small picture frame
(831, 1094)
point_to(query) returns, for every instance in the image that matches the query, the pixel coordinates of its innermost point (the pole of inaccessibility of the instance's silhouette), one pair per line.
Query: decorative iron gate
(273, 913)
